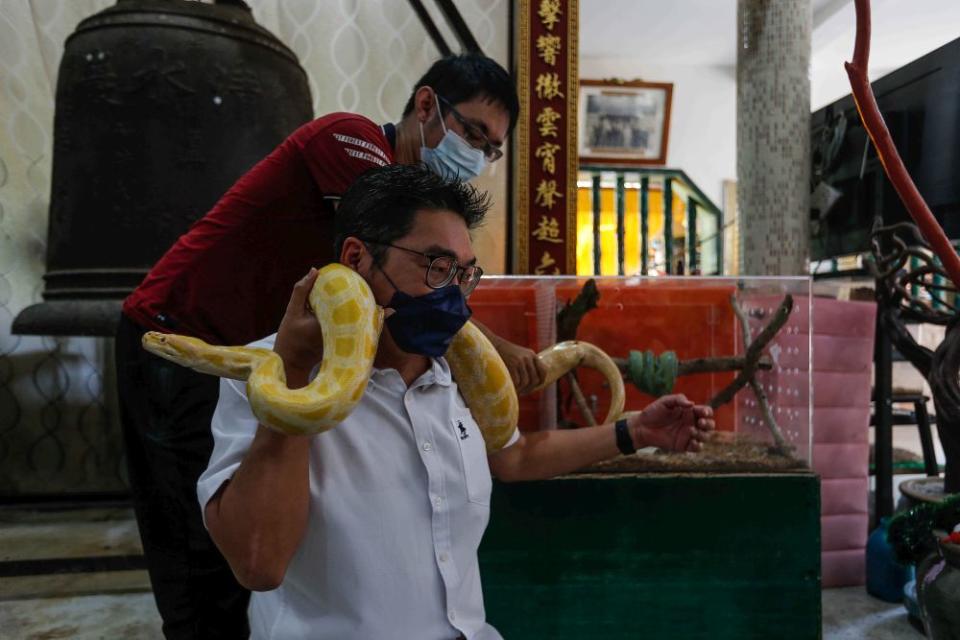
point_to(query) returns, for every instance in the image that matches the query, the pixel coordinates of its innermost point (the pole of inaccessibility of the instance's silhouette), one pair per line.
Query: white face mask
(454, 158)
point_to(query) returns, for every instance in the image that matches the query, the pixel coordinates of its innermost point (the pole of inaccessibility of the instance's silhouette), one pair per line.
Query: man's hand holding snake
(526, 369)
(300, 338)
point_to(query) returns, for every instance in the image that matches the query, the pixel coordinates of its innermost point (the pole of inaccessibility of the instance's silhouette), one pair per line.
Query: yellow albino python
(351, 321)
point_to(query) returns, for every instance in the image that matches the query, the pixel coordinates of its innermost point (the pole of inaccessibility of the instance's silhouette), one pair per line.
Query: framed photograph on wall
(624, 122)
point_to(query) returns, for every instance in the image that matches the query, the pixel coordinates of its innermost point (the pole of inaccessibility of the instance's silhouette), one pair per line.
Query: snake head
(169, 346)
(156, 343)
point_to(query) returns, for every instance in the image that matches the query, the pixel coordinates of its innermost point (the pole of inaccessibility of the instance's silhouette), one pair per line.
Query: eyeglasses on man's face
(473, 135)
(443, 269)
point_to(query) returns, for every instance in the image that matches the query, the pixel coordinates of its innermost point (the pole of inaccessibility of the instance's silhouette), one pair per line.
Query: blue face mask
(426, 324)
(454, 158)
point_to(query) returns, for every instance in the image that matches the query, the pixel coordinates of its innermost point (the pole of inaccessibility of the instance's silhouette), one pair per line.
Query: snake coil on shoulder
(351, 323)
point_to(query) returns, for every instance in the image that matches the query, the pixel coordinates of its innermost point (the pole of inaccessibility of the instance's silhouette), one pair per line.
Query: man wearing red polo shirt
(228, 280)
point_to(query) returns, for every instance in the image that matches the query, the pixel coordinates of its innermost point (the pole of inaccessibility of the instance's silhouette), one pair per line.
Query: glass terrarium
(742, 345)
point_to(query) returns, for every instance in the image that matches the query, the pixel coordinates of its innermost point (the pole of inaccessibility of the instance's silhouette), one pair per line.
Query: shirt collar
(390, 133)
(438, 373)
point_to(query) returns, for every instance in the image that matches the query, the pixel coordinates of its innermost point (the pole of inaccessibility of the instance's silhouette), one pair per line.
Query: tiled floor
(848, 614)
(88, 605)
(118, 604)
(851, 614)
(94, 617)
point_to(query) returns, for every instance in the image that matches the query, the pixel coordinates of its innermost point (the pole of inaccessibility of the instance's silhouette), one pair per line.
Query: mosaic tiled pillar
(773, 135)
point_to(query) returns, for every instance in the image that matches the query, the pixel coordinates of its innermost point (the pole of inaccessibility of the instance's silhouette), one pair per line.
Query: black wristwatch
(624, 439)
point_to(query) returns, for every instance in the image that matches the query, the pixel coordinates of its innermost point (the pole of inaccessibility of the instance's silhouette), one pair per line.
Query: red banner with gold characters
(546, 167)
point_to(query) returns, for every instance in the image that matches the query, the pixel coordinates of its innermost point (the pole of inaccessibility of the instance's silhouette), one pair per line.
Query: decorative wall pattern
(58, 425)
(56, 431)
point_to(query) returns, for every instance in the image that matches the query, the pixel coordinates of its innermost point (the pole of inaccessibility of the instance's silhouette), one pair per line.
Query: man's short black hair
(463, 77)
(381, 204)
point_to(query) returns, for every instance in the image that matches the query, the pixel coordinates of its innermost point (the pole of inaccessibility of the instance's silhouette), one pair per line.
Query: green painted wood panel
(658, 556)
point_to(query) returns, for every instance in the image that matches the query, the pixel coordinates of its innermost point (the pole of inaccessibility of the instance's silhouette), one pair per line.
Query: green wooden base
(657, 556)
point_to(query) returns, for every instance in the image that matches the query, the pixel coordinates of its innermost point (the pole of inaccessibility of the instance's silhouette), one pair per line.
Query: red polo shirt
(228, 279)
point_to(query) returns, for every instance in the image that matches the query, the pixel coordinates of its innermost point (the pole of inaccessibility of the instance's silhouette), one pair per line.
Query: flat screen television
(921, 105)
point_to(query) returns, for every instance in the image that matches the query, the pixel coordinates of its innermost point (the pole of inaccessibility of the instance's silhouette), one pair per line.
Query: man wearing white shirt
(371, 530)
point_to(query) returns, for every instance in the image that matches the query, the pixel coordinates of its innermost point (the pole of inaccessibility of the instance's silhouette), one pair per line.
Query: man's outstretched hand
(672, 423)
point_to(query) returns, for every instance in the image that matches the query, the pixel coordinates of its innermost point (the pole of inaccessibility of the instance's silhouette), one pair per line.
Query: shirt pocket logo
(473, 451)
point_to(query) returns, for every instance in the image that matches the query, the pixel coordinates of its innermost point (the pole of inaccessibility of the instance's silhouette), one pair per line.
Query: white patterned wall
(55, 430)
(57, 423)
(365, 55)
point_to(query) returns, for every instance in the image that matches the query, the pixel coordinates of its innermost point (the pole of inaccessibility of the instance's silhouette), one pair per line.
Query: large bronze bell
(161, 105)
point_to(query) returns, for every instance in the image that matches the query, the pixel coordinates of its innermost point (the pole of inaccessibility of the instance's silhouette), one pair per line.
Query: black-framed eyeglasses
(443, 269)
(475, 137)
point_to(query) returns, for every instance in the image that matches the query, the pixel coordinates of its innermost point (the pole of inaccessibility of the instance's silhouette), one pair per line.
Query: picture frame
(624, 122)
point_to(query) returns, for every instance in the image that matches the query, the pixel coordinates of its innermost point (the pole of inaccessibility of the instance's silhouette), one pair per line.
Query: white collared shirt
(399, 500)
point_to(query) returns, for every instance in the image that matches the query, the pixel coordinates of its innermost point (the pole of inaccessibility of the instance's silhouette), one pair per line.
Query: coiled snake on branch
(351, 322)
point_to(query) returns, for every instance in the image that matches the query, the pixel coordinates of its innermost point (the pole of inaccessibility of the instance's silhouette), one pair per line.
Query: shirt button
(437, 502)
(453, 615)
(444, 557)
(427, 446)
